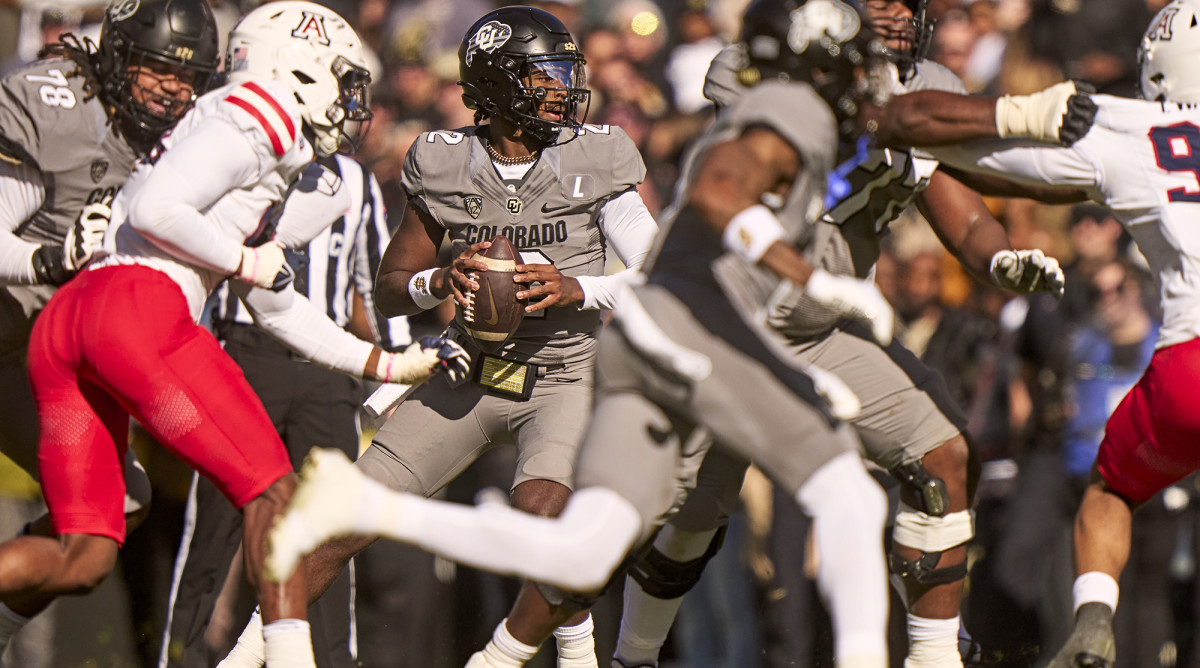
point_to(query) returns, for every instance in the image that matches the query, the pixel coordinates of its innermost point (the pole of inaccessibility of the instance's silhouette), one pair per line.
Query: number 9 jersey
(1142, 160)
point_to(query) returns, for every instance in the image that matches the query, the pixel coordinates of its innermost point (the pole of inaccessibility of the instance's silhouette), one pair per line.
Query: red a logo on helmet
(312, 28)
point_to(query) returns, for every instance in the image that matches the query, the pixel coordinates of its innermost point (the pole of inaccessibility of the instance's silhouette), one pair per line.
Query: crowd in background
(1036, 376)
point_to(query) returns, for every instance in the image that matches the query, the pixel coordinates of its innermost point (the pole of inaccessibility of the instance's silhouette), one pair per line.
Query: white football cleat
(329, 498)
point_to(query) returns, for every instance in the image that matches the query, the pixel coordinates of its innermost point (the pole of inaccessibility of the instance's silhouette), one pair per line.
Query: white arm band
(420, 288)
(751, 232)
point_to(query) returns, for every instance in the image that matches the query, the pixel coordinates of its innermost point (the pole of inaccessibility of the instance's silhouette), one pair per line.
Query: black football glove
(455, 360)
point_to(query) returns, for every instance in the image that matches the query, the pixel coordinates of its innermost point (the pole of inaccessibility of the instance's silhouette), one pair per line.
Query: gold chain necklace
(504, 160)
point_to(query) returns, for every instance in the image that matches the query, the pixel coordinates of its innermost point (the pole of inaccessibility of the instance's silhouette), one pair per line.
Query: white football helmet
(316, 54)
(1169, 53)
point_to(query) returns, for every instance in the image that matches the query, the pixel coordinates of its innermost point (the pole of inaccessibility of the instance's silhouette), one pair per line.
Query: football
(493, 312)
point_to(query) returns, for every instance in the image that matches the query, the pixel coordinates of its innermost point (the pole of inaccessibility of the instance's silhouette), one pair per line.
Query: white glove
(843, 402)
(419, 361)
(260, 266)
(86, 236)
(1027, 271)
(1038, 116)
(853, 298)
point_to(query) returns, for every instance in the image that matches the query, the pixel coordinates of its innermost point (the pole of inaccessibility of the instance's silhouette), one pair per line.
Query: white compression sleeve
(577, 551)
(630, 230)
(21, 195)
(646, 619)
(300, 325)
(187, 180)
(849, 510)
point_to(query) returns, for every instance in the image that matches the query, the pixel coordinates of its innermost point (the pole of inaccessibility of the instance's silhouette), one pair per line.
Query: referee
(310, 405)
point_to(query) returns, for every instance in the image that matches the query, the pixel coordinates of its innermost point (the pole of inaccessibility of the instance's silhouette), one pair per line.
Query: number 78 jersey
(48, 122)
(1141, 159)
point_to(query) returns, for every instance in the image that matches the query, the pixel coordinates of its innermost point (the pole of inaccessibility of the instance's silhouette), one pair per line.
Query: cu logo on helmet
(818, 18)
(490, 37)
(312, 28)
(123, 9)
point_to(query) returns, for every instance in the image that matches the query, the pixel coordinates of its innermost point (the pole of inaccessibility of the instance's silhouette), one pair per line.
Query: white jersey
(189, 208)
(1142, 160)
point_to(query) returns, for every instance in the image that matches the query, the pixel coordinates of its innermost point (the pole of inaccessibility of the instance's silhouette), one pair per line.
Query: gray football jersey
(689, 252)
(847, 240)
(550, 216)
(45, 122)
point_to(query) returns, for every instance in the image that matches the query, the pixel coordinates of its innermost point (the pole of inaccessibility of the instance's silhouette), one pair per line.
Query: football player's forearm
(21, 195)
(992, 186)
(932, 118)
(300, 325)
(394, 290)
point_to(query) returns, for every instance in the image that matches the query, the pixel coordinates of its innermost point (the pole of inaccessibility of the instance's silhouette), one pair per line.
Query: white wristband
(420, 288)
(751, 232)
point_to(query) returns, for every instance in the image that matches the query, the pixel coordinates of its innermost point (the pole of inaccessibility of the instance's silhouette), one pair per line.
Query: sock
(1095, 587)
(288, 644)
(505, 651)
(249, 652)
(645, 622)
(11, 622)
(576, 647)
(932, 642)
(849, 510)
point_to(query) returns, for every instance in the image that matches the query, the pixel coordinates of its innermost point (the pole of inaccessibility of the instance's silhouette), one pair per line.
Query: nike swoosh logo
(546, 208)
(492, 309)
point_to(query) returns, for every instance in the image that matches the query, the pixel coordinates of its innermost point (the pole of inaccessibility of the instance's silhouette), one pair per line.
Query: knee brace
(931, 492)
(665, 578)
(932, 535)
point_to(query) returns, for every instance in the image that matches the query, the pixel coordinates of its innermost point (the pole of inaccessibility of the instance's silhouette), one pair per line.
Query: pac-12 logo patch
(99, 169)
(488, 38)
(473, 204)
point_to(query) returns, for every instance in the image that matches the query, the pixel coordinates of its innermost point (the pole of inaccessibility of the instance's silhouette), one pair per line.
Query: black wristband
(48, 266)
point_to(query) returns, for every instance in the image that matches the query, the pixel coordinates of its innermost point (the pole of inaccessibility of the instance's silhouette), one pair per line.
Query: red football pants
(1152, 439)
(120, 341)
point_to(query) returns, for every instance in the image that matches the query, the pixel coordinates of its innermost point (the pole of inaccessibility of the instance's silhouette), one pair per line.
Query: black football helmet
(181, 33)
(916, 31)
(512, 59)
(828, 44)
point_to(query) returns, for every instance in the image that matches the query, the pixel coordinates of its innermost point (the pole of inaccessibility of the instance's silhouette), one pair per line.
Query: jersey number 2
(1177, 149)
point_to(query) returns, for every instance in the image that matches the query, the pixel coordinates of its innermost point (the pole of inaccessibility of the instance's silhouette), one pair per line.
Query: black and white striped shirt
(342, 259)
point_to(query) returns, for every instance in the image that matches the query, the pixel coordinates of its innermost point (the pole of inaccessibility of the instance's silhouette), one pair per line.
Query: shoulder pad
(264, 109)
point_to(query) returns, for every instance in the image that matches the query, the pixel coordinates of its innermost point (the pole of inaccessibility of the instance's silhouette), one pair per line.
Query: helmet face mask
(913, 33)
(154, 59)
(315, 54)
(521, 65)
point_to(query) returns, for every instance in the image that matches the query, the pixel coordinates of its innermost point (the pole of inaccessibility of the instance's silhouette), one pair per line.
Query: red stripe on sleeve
(287, 120)
(276, 145)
